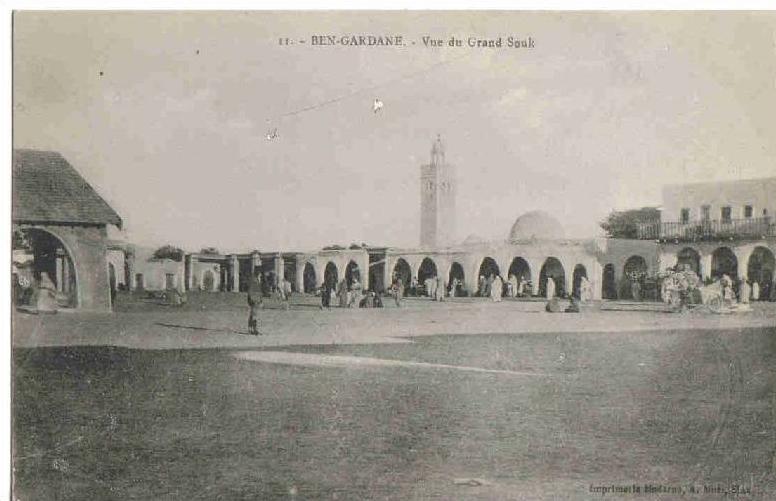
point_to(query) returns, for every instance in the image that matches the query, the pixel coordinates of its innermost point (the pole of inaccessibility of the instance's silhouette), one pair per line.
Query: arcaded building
(535, 248)
(720, 228)
(715, 228)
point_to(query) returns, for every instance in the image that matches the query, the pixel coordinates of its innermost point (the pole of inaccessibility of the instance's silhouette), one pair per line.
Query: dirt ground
(465, 400)
(220, 320)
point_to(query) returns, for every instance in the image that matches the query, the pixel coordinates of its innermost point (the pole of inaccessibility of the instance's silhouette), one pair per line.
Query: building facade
(63, 224)
(720, 228)
(739, 241)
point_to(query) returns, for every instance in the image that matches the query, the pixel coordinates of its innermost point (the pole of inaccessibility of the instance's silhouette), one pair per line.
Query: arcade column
(279, 268)
(61, 264)
(706, 266)
(299, 274)
(234, 265)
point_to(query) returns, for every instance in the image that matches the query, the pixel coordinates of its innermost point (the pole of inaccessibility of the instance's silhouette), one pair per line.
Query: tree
(209, 251)
(625, 224)
(169, 252)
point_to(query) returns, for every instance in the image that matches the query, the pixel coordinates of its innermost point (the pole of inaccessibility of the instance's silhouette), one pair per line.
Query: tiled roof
(47, 189)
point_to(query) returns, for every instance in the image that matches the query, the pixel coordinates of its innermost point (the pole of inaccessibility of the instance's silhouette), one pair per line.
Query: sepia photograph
(392, 255)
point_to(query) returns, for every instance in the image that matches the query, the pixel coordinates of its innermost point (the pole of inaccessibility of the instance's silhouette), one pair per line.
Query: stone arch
(331, 275)
(427, 269)
(608, 282)
(520, 269)
(579, 272)
(309, 278)
(552, 269)
(635, 264)
(634, 270)
(761, 268)
(352, 273)
(689, 257)
(456, 274)
(724, 262)
(488, 267)
(53, 257)
(403, 271)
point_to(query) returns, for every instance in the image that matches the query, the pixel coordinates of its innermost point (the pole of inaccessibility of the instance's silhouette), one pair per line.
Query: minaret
(437, 199)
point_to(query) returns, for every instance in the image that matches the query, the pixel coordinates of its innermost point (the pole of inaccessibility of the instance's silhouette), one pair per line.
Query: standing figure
(636, 290)
(584, 290)
(326, 295)
(550, 288)
(429, 286)
(280, 292)
(513, 285)
(355, 294)
(755, 291)
(398, 291)
(744, 291)
(664, 293)
(521, 287)
(481, 286)
(727, 289)
(496, 289)
(342, 293)
(439, 289)
(255, 301)
(287, 290)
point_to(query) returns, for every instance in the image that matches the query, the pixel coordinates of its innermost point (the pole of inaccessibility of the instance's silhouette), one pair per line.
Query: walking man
(398, 291)
(287, 290)
(255, 301)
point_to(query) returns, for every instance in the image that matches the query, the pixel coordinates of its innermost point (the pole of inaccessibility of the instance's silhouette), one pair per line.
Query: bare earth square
(551, 413)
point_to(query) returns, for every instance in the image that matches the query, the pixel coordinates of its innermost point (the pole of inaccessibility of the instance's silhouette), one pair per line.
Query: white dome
(536, 225)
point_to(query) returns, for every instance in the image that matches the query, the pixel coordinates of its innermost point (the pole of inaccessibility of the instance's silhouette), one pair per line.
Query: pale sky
(599, 115)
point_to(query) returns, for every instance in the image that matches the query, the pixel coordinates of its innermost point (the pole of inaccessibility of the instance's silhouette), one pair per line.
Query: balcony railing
(708, 230)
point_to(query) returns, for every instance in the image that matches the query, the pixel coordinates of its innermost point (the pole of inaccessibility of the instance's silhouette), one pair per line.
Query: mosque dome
(536, 225)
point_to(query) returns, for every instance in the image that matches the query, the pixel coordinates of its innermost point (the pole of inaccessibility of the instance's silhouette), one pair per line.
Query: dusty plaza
(384, 255)
(455, 400)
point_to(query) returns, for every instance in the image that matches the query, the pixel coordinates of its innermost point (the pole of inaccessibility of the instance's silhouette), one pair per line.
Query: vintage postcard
(393, 255)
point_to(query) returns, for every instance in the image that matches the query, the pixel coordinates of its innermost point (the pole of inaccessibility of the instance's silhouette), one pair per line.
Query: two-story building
(720, 228)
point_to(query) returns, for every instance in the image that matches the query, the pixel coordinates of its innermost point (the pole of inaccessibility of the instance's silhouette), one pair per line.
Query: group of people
(495, 287)
(749, 291)
(348, 296)
(681, 285)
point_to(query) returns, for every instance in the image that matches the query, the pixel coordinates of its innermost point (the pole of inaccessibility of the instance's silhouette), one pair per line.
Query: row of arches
(331, 275)
(759, 268)
(519, 267)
